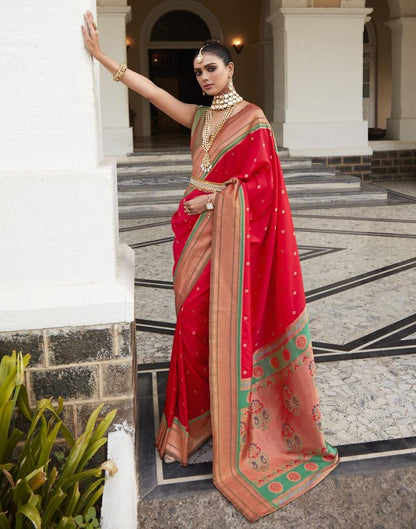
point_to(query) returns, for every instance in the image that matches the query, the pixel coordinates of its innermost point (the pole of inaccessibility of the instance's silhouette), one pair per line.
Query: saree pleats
(186, 422)
(238, 281)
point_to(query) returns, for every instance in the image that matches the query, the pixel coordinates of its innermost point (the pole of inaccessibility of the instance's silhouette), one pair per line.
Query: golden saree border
(225, 323)
(281, 475)
(177, 441)
(193, 260)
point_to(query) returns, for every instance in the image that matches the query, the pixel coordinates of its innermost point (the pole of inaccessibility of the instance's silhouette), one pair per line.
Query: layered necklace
(225, 102)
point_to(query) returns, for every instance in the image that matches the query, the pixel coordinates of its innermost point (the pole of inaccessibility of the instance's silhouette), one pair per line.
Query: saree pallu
(242, 366)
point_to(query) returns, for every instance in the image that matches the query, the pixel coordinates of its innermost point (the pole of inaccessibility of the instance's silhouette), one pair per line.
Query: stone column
(66, 284)
(402, 124)
(318, 63)
(117, 133)
(264, 50)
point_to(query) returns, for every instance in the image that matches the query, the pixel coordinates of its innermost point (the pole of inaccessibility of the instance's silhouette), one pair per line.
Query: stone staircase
(151, 184)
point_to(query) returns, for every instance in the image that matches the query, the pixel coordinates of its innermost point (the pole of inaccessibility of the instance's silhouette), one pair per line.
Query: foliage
(90, 521)
(39, 488)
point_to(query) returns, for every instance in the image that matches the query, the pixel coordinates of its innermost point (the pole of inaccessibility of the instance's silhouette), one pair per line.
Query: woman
(242, 367)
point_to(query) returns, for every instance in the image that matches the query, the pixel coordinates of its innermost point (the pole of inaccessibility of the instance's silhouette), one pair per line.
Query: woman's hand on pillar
(90, 34)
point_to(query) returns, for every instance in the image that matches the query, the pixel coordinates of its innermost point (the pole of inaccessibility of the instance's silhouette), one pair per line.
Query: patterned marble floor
(359, 273)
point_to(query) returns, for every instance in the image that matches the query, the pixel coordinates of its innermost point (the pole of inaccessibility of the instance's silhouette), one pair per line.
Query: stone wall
(356, 165)
(387, 165)
(382, 165)
(85, 365)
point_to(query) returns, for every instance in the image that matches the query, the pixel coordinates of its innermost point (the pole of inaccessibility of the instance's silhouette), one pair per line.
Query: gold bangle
(119, 74)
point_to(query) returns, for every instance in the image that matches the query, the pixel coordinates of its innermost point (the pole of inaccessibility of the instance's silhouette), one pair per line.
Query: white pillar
(318, 62)
(117, 133)
(264, 50)
(402, 124)
(61, 263)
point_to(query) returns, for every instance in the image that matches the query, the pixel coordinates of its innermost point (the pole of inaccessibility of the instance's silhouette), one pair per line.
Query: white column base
(72, 305)
(401, 129)
(119, 507)
(323, 138)
(117, 141)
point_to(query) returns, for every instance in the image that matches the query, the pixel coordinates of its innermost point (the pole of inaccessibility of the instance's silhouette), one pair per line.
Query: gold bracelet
(119, 74)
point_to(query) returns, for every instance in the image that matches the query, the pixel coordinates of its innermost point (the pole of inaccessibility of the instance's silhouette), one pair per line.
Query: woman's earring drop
(230, 84)
(203, 93)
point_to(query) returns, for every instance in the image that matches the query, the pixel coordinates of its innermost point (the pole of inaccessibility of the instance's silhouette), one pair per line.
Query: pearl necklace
(231, 98)
(208, 136)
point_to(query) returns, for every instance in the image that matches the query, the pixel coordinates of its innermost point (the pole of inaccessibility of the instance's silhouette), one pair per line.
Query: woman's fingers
(89, 19)
(195, 206)
(90, 33)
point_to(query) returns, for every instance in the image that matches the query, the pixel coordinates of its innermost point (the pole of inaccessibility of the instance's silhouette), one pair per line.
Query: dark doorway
(172, 70)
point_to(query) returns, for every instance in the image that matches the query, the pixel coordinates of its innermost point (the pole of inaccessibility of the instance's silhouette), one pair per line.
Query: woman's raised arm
(183, 113)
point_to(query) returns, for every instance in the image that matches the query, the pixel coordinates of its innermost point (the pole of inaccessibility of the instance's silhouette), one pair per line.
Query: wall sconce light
(129, 42)
(238, 45)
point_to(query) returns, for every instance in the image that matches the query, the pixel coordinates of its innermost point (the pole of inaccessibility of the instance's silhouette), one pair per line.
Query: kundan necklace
(231, 98)
(226, 101)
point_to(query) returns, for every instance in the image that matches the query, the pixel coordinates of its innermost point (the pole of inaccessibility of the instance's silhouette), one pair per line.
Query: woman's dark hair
(216, 47)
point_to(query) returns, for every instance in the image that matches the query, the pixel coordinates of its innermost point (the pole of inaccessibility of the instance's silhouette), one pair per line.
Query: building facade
(324, 71)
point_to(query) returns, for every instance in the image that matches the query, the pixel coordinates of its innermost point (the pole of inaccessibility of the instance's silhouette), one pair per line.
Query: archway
(171, 68)
(165, 42)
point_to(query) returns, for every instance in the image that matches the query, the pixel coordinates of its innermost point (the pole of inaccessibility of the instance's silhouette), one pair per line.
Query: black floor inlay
(144, 226)
(391, 340)
(143, 244)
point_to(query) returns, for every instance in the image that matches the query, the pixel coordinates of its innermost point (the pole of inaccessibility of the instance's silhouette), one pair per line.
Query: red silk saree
(242, 367)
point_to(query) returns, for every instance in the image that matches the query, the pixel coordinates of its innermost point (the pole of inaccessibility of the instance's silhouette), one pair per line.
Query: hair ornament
(199, 57)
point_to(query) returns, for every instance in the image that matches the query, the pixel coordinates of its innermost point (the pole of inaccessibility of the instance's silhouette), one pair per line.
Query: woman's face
(212, 74)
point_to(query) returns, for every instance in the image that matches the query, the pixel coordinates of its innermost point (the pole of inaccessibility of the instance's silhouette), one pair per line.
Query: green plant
(90, 521)
(34, 492)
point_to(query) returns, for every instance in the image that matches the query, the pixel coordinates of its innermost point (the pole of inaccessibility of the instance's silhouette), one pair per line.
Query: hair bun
(214, 41)
(217, 47)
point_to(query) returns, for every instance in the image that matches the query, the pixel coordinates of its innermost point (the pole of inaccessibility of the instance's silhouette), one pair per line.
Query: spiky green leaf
(31, 513)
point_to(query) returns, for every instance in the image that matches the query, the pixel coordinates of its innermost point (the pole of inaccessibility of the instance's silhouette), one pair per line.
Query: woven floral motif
(316, 415)
(291, 402)
(290, 438)
(258, 372)
(276, 487)
(294, 476)
(260, 416)
(301, 342)
(311, 467)
(312, 368)
(244, 426)
(258, 459)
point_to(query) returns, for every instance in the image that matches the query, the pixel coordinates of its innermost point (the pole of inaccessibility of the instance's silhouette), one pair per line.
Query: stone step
(152, 157)
(160, 165)
(151, 184)
(170, 156)
(307, 172)
(148, 169)
(168, 180)
(156, 183)
(174, 192)
(295, 163)
(299, 199)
